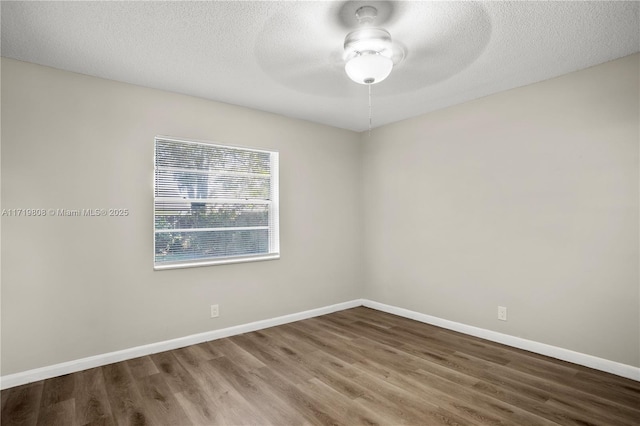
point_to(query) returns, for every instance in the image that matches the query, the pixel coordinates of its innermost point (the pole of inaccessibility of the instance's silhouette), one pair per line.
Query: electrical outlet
(215, 312)
(502, 313)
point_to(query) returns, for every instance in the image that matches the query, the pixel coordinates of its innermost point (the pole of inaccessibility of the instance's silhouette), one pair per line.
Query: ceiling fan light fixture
(369, 68)
(368, 55)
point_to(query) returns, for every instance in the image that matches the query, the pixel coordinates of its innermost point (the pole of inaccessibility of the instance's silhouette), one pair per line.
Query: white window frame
(274, 223)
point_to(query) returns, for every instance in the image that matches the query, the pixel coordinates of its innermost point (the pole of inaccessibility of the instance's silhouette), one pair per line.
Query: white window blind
(214, 204)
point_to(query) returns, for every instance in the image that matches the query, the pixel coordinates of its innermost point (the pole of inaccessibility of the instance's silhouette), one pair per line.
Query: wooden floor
(353, 367)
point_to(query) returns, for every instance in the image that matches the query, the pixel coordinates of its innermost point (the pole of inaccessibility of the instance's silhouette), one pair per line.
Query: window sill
(213, 262)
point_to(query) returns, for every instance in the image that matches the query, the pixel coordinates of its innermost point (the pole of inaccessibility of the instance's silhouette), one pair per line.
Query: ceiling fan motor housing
(368, 39)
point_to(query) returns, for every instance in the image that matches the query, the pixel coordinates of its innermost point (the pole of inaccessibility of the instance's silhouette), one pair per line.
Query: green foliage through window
(213, 203)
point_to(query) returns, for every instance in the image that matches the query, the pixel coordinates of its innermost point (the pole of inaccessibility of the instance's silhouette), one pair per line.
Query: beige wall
(526, 199)
(75, 287)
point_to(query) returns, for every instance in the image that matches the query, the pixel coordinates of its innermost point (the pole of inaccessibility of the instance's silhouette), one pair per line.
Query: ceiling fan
(308, 46)
(369, 52)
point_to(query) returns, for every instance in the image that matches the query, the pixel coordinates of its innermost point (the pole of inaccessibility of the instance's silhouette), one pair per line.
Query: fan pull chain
(369, 109)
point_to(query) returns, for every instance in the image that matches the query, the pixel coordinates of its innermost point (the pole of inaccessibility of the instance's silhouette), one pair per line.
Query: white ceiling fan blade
(439, 39)
(308, 56)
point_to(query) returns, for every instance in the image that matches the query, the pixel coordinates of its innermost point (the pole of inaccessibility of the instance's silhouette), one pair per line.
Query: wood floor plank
(611, 388)
(288, 343)
(375, 321)
(357, 366)
(333, 329)
(225, 405)
(278, 405)
(91, 399)
(562, 410)
(269, 408)
(174, 374)
(593, 410)
(463, 392)
(348, 411)
(196, 408)
(273, 357)
(205, 351)
(517, 391)
(333, 374)
(554, 383)
(576, 399)
(160, 402)
(320, 339)
(142, 367)
(297, 399)
(58, 389)
(409, 407)
(102, 421)
(239, 356)
(189, 394)
(21, 405)
(372, 394)
(127, 405)
(405, 379)
(58, 414)
(381, 335)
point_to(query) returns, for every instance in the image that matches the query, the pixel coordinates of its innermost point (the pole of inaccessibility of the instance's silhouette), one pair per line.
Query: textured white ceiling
(285, 57)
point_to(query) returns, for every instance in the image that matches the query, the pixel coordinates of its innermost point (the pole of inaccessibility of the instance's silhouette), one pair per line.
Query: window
(214, 204)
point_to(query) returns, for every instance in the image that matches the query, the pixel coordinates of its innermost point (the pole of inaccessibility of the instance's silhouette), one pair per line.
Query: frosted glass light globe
(368, 68)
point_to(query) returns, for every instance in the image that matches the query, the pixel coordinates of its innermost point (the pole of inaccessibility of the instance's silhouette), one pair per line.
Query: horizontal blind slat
(213, 172)
(212, 200)
(229, 228)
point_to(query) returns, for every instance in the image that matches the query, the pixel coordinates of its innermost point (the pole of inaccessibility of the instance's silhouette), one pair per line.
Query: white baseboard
(601, 364)
(48, 372)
